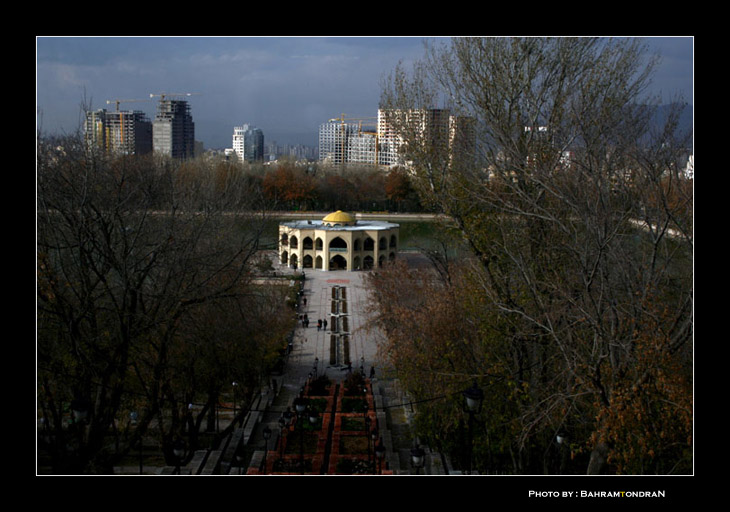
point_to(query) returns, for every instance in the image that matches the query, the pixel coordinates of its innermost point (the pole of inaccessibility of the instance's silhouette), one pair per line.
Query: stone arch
(284, 258)
(383, 243)
(367, 262)
(381, 260)
(293, 242)
(284, 239)
(356, 263)
(293, 261)
(356, 245)
(338, 262)
(368, 244)
(338, 243)
(307, 243)
(318, 245)
(318, 262)
(393, 241)
(307, 261)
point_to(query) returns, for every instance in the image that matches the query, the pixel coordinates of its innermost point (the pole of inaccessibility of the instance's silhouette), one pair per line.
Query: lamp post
(282, 426)
(133, 421)
(366, 420)
(234, 384)
(313, 417)
(267, 436)
(418, 456)
(188, 418)
(380, 454)
(562, 439)
(284, 423)
(373, 437)
(473, 400)
(80, 410)
(300, 405)
(178, 450)
(240, 457)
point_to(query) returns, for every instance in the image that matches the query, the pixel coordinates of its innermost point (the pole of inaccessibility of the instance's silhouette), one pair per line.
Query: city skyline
(286, 86)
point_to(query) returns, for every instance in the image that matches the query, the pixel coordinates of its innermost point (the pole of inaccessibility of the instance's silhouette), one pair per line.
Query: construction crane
(117, 102)
(164, 95)
(359, 120)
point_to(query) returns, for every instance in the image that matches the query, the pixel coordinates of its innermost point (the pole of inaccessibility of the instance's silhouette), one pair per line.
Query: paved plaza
(312, 343)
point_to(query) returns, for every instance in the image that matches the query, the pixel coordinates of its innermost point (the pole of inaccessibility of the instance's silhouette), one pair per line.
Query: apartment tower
(248, 143)
(173, 130)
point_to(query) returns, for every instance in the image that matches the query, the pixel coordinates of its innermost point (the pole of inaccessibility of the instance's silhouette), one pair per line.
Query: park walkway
(311, 356)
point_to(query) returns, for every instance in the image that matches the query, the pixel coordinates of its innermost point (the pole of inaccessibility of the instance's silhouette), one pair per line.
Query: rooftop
(340, 221)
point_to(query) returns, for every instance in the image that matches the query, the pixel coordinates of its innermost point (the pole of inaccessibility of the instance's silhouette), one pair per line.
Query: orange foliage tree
(289, 186)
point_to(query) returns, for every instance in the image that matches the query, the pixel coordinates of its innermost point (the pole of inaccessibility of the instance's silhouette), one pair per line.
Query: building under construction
(344, 140)
(119, 132)
(173, 130)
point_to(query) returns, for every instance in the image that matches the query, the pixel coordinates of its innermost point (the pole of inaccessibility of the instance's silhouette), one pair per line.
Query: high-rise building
(437, 129)
(341, 142)
(173, 130)
(248, 143)
(333, 136)
(125, 132)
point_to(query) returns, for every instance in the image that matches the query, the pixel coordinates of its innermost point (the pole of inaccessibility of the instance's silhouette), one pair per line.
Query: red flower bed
(348, 452)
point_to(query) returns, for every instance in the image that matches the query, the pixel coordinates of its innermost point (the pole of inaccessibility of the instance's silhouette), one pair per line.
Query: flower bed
(314, 444)
(350, 448)
(319, 387)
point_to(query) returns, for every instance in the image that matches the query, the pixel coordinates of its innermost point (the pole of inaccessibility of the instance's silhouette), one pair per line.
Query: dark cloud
(287, 86)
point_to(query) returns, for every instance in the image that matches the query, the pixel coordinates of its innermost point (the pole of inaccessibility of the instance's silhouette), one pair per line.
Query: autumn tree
(289, 186)
(398, 189)
(579, 222)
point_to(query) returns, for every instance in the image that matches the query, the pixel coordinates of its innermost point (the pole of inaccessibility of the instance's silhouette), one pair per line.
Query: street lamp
(367, 434)
(133, 421)
(313, 416)
(178, 450)
(473, 399)
(234, 384)
(380, 454)
(418, 456)
(240, 457)
(300, 405)
(373, 437)
(267, 436)
(80, 409)
(284, 423)
(562, 439)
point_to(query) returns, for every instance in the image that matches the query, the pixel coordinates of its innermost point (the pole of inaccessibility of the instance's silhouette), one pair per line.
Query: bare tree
(580, 220)
(128, 249)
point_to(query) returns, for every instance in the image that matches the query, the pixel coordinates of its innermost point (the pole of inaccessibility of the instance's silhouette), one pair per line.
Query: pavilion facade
(338, 242)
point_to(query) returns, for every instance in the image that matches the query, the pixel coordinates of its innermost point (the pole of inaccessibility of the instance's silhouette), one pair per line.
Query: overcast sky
(287, 86)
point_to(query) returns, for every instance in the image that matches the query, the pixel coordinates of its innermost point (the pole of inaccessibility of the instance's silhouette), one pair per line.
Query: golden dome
(339, 217)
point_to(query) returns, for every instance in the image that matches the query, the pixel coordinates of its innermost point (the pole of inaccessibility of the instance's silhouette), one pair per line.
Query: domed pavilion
(339, 241)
